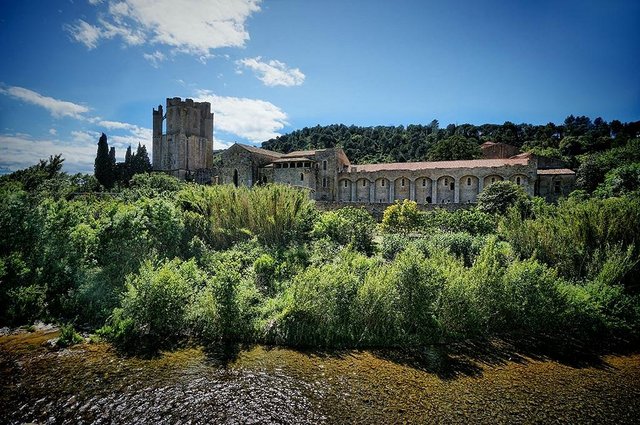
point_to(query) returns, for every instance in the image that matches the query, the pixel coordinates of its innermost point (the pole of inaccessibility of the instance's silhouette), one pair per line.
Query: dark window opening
(468, 181)
(364, 183)
(301, 177)
(518, 180)
(324, 165)
(324, 182)
(452, 185)
(382, 183)
(428, 199)
(556, 187)
(345, 183)
(235, 178)
(402, 183)
(424, 182)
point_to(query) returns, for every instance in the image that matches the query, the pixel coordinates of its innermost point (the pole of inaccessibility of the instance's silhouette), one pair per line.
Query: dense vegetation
(162, 262)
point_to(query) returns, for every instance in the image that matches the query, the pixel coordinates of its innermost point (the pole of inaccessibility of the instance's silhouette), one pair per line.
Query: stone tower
(186, 146)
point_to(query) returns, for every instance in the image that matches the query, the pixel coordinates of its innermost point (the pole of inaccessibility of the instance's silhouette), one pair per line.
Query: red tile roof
(415, 166)
(556, 171)
(260, 150)
(296, 154)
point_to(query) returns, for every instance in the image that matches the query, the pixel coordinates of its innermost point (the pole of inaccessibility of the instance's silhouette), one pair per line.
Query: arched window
(468, 181)
(518, 181)
(235, 177)
(301, 177)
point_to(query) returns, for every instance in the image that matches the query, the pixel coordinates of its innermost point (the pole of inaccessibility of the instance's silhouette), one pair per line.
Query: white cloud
(57, 108)
(273, 73)
(85, 33)
(19, 151)
(193, 26)
(155, 58)
(252, 119)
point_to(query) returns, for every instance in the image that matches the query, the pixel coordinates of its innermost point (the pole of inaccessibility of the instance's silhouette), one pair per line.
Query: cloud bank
(192, 26)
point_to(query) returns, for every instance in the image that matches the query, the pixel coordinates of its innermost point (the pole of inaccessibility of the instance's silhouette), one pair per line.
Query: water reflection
(91, 383)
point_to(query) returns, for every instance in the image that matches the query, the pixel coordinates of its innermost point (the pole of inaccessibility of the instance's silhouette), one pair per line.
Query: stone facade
(185, 149)
(330, 177)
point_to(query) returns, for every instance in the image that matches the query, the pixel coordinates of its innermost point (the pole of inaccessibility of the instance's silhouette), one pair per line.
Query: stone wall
(377, 210)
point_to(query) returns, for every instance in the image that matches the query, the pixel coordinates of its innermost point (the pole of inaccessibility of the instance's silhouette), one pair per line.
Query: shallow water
(91, 383)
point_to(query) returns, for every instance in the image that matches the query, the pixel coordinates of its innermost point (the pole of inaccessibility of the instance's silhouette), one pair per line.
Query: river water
(91, 383)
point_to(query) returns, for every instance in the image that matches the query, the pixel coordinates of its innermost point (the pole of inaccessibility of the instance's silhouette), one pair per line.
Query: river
(91, 383)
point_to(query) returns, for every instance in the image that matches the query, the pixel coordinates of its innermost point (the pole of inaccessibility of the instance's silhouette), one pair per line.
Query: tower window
(468, 181)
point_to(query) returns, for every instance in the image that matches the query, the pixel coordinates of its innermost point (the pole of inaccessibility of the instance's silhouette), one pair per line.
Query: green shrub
(402, 217)
(68, 336)
(498, 197)
(347, 226)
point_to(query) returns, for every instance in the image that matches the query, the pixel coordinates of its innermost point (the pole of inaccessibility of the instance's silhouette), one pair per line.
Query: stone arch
(344, 190)
(469, 188)
(381, 190)
(401, 189)
(424, 193)
(521, 180)
(363, 187)
(490, 179)
(445, 190)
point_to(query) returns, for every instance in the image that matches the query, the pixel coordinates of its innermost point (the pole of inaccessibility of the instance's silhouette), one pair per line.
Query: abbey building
(185, 150)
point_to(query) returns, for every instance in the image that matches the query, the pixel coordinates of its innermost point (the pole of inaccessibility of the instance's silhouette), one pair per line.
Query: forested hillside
(576, 136)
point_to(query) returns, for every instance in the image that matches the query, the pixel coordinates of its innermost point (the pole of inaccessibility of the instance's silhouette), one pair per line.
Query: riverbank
(91, 383)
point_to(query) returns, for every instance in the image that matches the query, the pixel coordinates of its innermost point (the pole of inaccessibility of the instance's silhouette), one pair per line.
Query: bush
(153, 309)
(498, 197)
(402, 217)
(68, 336)
(347, 226)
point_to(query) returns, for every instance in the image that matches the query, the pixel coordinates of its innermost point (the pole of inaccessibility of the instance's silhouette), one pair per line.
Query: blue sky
(74, 69)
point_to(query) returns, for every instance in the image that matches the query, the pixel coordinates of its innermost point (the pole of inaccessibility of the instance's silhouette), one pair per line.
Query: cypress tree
(141, 160)
(103, 166)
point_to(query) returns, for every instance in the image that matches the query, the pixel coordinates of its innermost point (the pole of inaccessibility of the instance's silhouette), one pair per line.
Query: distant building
(185, 148)
(330, 176)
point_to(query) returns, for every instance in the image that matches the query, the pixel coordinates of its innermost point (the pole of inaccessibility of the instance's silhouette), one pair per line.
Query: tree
(620, 181)
(140, 162)
(454, 148)
(500, 196)
(104, 167)
(402, 217)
